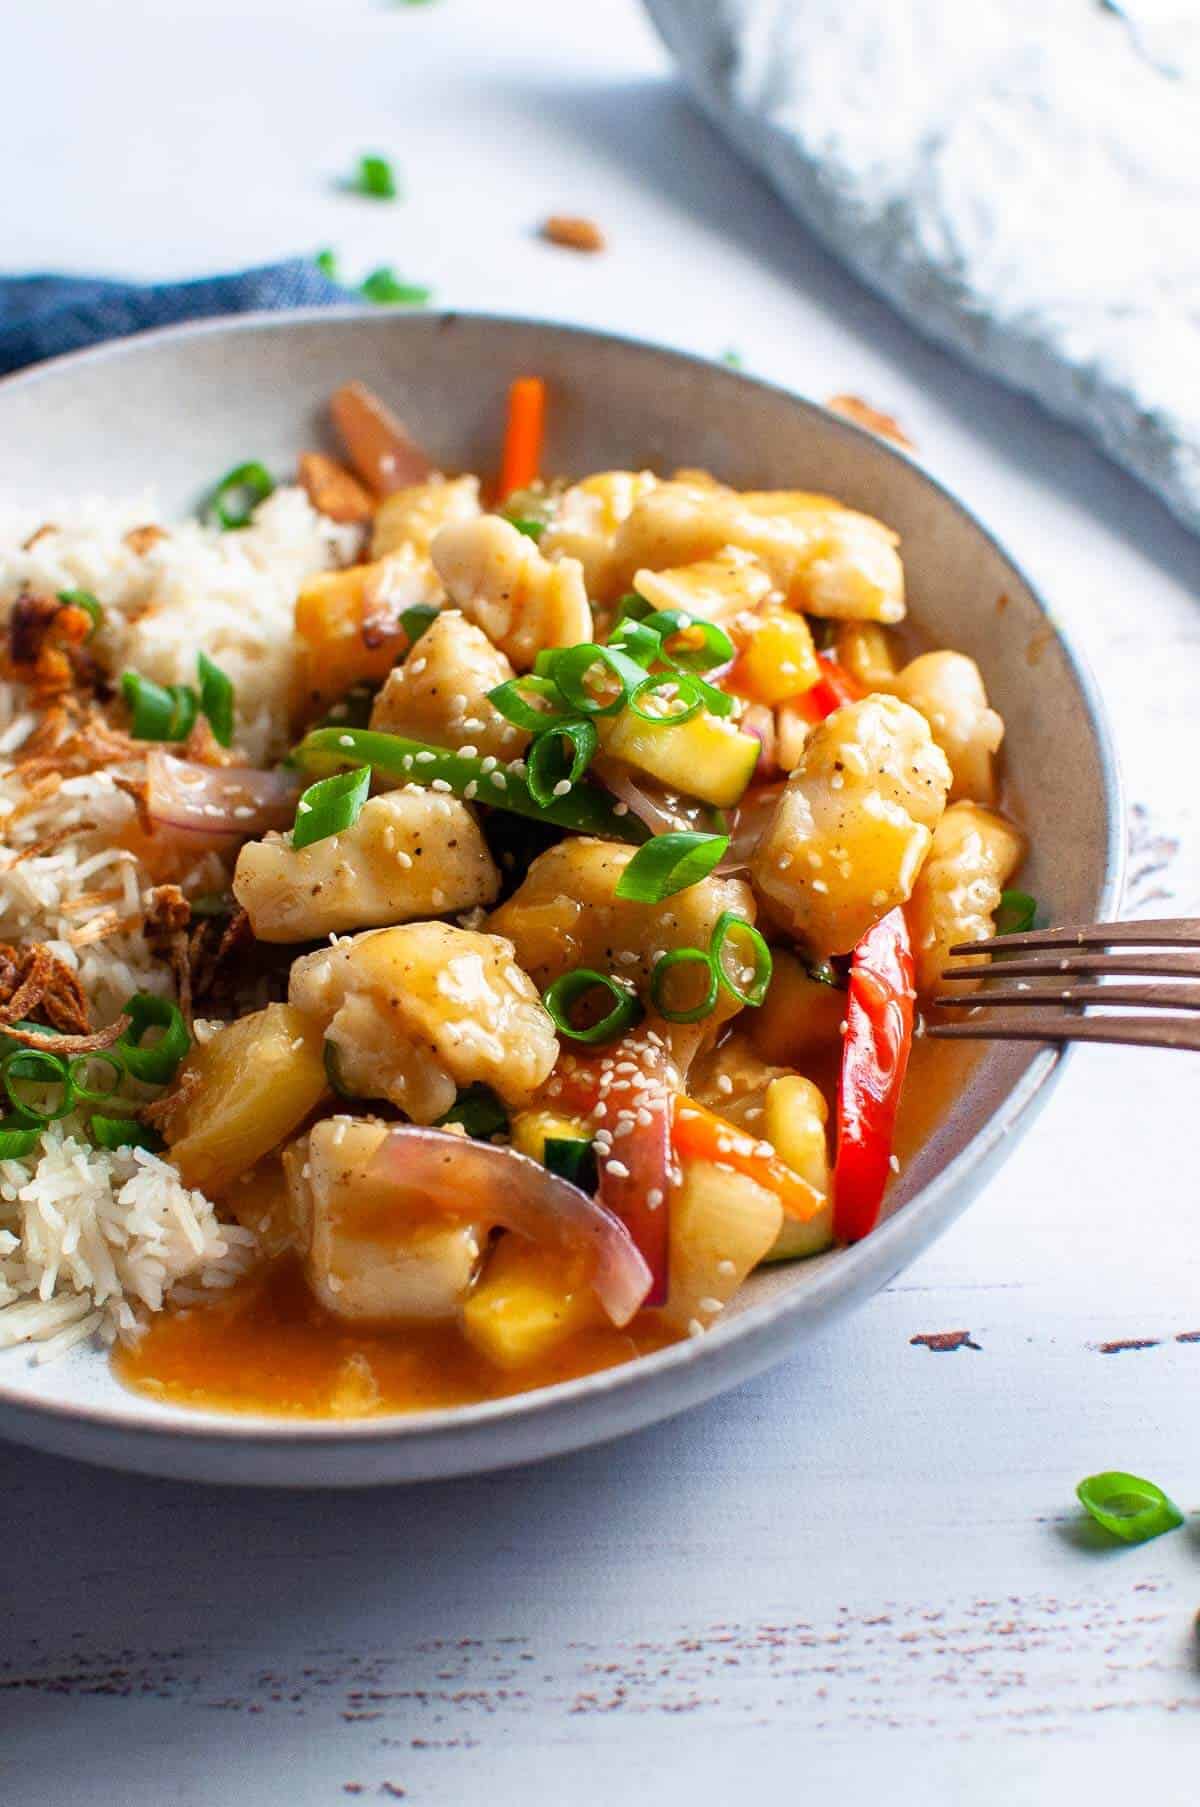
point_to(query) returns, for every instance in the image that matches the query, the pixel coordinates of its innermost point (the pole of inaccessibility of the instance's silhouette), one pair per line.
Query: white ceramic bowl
(173, 409)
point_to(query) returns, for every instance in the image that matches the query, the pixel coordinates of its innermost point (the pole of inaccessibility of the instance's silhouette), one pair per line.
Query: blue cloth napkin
(42, 316)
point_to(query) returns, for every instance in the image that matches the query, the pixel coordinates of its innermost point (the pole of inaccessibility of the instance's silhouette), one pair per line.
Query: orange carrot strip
(521, 461)
(704, 1136)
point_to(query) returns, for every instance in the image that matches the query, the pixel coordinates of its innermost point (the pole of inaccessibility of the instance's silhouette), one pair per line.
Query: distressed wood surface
(864, 1574)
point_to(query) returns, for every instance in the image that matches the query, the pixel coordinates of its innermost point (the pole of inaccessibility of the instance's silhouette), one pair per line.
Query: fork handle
(1132, 1031)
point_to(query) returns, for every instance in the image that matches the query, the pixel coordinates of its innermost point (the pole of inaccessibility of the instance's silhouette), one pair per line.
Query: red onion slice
(464, 1178)
(747, 825)
(663, 813)
(221, 803)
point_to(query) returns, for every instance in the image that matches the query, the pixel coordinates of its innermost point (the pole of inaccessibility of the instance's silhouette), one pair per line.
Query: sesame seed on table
(864, 1574)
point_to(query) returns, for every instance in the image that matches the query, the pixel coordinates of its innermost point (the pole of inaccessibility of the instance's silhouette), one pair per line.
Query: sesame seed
(470, 790)
(499, 780)
(724, 1085)
(620, 809)
(303, 808)
(469, 752)
(563, 788)
(654, 1198)
(345, 740)
(425, 758)
(440, 784)
(489, 764)
(893, 1163)
(726, 1267)
(711, 1305)
(618, 1170)
(695, 1327)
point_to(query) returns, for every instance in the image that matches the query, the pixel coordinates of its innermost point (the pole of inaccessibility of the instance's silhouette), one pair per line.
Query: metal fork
(1059, 956)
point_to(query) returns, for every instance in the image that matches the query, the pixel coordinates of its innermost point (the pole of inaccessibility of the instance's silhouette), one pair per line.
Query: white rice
(88, 1238)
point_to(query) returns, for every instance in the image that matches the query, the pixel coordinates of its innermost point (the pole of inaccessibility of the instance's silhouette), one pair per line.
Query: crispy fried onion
(68, 1044)
(34, 982)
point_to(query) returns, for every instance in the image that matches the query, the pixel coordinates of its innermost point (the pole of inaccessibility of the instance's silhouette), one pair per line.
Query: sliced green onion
(153, 1064)
(330, 805)
(588, 810)
(641, 643)
(37, 1067)
(532, 507)
(572, 666)
(1132, 1509)
(715, 648)
(670, 863)
(79, 1070)
(479, 1111)
(572, 1158)
(631, 607)
(549, 773)
(824, 973)
(83, 599)
(668, 963)
(326, 262)
(216, 698)
(416, 620)
(732, 357)
(333, 1069)
(1016, 913)
(385, 289)
(239, 493)
(510, 699)
(729, 924)
(157, 711)
(376, 178)
(533, 530)
(18, 1137)
(123, 1132)
(687, 693)
(571, 988)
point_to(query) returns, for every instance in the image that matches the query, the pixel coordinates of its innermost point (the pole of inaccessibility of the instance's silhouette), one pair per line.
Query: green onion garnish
(526, 508)
(573, 1159)
(728, 924)
(641, 643)
(82, 1078)
(511, 697)
(239, 493)
(732, 357)
(158, 711)
(704, 644)
(18, 1137)
(153, 1064)
(1016, 913)
(1132, 1509)
(550, 773)
(330, 805)
(588, 810)
(376, 178)
(123, 1132)
(326, 262)
(83, 599)
(664, 966)
(674, 687)
(479, 1111)
(824, 973)
(572, 987)
(416, 620)
(216, 698)
(670, 863)
(385, 289)
(533, 530)
(572, 667)
(37, 1067)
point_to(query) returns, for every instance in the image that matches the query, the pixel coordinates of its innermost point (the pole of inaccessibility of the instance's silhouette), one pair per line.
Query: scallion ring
(80, 1070)
(730, 924)
(239, 493)
(570, 989)
(511, 699)
(640, 642)
(1132, 1509)
(670, 863)
(550, 772)
(416, 620)
(83, 599)
(158, 711)
(668, 963)
(705, 644)
(123, 1132)
(18, 1137)
(216, 698)
(330, 805)
(571, 668)
(672, 688)
(37, 1067)
(153, 1063)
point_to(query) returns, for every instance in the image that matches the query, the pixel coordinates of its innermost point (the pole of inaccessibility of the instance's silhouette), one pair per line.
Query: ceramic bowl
(169, 410)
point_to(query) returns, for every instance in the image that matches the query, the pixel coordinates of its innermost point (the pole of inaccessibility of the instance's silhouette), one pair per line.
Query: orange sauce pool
(266, 1345)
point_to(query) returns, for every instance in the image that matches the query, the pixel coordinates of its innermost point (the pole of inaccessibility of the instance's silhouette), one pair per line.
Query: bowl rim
(859, 1269)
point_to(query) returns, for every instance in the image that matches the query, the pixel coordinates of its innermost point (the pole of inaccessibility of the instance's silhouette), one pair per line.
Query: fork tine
(1057, 1026)
(1167, 966)
(1178, 931)
(1167, 997)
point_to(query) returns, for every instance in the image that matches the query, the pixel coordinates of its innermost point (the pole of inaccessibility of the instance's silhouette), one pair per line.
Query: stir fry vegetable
(879, 1027)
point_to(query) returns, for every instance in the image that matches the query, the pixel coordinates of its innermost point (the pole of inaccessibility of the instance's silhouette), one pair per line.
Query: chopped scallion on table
(1132, 1509)
(386, 289)
(376, 178)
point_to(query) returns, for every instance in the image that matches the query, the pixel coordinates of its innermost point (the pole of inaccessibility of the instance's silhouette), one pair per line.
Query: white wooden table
(863, 1576)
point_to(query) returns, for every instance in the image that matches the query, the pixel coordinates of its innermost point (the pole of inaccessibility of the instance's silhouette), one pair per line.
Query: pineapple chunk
(721, 1226)
(348, 628)
(795, 1115)
(528, 1302)
(798, 1016)
(242, 1092)
(779, 659)
(707, 758)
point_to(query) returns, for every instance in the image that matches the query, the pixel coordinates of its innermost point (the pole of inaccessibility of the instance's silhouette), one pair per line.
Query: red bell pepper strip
(635, 1169)
(834, 687)
(875, 1050)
